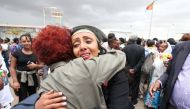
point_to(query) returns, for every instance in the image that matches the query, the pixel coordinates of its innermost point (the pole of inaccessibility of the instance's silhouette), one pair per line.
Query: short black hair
(1, 40)
(139, 40)
(111, 36)
(26, 35)
(156, 39)
(171, 41)
(15, 40)
(150, 42)
(122, 40)
(7, 40)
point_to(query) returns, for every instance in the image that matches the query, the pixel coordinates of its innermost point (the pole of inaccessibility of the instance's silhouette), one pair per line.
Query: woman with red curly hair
(86, 41)
(80, 80)
(53, 44)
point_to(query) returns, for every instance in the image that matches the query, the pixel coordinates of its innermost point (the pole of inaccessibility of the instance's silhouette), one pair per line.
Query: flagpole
(150, 26)
(150, 7)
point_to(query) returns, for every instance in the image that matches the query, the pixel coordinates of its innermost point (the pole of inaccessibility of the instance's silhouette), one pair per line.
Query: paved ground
(140, 105)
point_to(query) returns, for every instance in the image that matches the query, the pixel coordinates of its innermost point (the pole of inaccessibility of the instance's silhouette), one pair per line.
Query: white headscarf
(168, 49)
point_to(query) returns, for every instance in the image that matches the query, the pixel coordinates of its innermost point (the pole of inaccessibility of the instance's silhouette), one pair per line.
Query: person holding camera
(23, 69)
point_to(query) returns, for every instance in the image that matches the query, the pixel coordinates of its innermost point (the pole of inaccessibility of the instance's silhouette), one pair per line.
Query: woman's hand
(51, 100)
(131, 71)
(15, 86)
(31, 65)
(154, 87)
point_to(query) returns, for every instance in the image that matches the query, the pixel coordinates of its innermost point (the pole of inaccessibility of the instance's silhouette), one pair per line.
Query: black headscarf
(98, 33)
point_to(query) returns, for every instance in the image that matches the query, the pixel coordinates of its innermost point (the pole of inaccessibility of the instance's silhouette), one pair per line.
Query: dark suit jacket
(135, 56)
(169, 78)
(118, 92)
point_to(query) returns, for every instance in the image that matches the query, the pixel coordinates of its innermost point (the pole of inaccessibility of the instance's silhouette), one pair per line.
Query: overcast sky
(170, 17)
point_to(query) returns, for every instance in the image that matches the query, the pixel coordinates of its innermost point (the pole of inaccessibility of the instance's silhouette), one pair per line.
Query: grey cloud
(101, 13)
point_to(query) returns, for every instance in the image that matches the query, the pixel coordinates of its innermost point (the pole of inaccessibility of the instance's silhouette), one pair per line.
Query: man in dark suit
(175, 80)
(135, 55)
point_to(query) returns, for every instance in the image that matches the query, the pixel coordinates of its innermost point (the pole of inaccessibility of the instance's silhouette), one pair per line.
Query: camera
(29, 62)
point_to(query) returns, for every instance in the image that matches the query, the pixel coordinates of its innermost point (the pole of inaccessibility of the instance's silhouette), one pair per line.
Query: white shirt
(5, 94)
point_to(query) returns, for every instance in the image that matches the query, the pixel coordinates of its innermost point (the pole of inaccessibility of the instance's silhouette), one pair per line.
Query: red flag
(150, 6)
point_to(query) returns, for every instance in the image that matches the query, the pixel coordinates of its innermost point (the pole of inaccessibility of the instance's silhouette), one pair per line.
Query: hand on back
(51, 100)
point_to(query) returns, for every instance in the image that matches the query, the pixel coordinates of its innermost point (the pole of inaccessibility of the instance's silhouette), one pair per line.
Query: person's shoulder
(182, 44)
(72, 64)
(187, 43)
(73, 69)
(140, 46)
(76, 61)
(129, 46)
(17, 53)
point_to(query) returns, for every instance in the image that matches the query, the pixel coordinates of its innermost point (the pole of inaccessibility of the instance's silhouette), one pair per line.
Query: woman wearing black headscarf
(115, 90)
(87, 42)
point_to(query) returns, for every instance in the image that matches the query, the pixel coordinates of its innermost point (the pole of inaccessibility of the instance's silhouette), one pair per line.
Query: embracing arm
(67, 78)
(51, 99)
(108, 65)
(98, 68)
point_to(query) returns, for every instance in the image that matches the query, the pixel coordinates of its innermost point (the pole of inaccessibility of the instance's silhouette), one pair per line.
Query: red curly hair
(53, 44)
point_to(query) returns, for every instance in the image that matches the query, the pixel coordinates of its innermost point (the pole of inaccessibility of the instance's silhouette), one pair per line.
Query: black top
(23, 60)
(117, 92)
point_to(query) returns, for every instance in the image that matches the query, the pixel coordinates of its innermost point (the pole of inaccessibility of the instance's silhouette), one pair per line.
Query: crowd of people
(82, 68)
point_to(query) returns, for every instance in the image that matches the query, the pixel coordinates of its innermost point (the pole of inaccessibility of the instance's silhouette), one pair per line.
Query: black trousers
(171, 107)
(25, 91)
(134, 89)
(117, 92)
